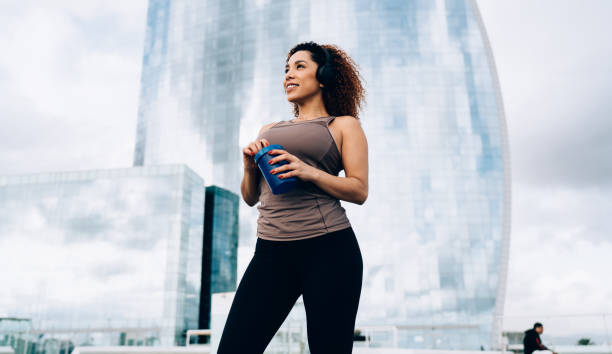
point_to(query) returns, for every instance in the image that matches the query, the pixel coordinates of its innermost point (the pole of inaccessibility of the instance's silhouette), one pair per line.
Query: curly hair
(347, 95)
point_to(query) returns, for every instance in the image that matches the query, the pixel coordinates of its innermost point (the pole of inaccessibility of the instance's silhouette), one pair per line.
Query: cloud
(70, 74)
(552, 59)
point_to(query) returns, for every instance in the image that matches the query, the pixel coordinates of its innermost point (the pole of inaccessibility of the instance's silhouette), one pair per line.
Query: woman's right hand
(249, 152)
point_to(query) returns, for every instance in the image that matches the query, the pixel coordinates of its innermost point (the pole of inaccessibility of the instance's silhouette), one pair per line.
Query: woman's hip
(339, 242)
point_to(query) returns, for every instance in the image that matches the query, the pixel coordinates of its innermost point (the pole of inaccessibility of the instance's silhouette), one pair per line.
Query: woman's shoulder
(346, 123)
(347, 119)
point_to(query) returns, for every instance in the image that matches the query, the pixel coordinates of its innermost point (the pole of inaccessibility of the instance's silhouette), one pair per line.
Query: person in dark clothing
(532, 341)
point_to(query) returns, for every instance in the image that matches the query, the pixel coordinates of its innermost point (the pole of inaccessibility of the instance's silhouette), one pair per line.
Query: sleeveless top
(305, 211)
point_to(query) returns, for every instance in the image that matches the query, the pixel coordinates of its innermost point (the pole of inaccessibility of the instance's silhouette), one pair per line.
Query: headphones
(326, 73)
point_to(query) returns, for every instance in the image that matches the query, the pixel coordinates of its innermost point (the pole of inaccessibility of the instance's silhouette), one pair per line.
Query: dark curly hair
(347, 95)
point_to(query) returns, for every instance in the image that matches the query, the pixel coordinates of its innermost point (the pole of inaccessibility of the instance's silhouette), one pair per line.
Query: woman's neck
(312, 108)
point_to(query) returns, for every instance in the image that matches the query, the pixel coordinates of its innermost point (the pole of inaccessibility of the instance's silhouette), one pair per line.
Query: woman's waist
(304, 204)
(295, 199)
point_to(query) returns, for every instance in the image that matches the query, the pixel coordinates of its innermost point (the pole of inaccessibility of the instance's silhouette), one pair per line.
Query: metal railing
(559, 329)
(394, 331)
(197, 332)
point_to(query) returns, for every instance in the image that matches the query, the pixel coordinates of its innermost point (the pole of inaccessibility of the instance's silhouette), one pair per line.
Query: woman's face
(301, 70)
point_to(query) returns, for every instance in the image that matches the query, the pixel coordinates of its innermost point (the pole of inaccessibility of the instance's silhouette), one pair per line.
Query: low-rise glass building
(102, 257)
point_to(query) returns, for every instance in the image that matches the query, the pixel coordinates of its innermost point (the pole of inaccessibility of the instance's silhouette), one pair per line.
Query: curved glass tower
(434, 231)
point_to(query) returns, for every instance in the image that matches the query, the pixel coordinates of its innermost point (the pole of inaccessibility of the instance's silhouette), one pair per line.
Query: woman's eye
(297, 66)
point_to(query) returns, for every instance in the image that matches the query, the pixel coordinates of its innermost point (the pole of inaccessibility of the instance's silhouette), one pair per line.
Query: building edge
(496, 340)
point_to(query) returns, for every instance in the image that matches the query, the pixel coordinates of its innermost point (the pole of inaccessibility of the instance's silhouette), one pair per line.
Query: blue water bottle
(276, 184)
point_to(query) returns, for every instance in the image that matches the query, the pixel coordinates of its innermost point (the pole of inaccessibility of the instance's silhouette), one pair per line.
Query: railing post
(395, 336)
(607, 333)
(204, 332)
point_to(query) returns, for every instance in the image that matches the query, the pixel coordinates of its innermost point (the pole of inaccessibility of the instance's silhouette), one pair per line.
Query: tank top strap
(275, 124)
(320, 120)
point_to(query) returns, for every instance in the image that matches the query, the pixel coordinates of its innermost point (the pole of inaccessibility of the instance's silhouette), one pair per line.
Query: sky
(70, 77)
(553, 62)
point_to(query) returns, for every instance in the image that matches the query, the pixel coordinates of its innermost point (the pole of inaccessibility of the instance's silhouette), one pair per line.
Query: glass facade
(219, 255)
(102, 257)
(435, 229)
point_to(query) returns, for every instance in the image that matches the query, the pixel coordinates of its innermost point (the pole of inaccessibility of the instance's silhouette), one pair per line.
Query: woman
(306, 245)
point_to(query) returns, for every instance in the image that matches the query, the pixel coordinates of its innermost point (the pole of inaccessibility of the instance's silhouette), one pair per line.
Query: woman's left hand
(296, 167)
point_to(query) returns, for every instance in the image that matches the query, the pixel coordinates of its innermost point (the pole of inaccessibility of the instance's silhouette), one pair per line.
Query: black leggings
(326, 270)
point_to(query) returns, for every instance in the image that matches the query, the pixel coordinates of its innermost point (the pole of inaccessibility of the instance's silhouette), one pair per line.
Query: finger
(275, 159)
(284, 156)
(260, 145)
(286, 167)
(266, 141)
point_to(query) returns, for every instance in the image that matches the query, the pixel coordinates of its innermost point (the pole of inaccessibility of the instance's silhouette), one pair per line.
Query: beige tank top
(306, 210)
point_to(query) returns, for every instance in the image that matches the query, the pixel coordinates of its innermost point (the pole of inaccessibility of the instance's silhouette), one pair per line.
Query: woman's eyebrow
(297, 61)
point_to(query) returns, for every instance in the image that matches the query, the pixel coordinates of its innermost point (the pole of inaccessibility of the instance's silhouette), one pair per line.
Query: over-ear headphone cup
(325, 73)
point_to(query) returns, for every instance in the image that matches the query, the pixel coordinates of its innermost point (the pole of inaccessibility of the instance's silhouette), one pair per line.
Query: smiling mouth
(290, 87)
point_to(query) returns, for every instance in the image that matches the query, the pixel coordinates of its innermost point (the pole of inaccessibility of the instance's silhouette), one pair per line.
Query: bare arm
(250, 181)
(354, 187)
(250, 186)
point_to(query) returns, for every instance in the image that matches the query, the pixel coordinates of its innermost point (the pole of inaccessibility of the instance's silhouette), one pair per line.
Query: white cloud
(553, 62)
(70, 79)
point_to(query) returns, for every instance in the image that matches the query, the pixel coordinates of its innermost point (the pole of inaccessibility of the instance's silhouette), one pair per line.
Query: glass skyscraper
(435, 229)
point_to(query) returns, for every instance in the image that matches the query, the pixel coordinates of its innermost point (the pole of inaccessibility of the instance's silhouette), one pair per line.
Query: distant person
(532, 341)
